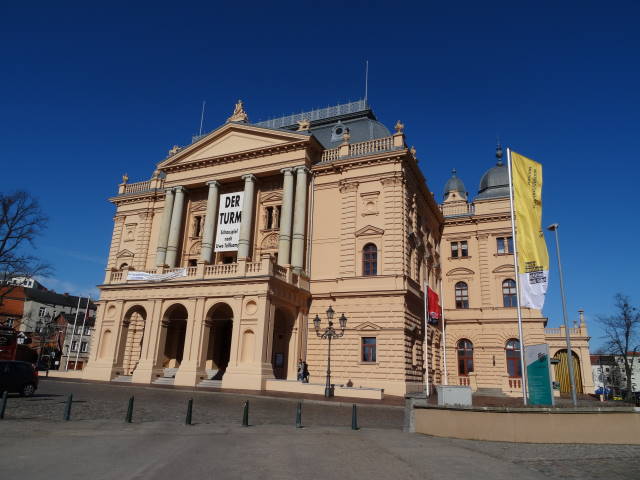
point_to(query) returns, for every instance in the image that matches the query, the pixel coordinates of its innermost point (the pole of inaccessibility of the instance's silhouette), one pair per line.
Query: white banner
(229, 217)
(156, 277)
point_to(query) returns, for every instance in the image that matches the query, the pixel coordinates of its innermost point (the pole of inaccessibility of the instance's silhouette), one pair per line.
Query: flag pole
(515, 261)
(444, 337)
(425, 347)
(84, 322)
(66, 367)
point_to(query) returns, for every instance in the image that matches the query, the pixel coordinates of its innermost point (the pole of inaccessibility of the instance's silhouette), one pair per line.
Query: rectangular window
(454, 249)
(504, 245)
(74, 346)
(78, 329)
(10, 322)
(368, 349)
(42, 311)
(464, 249)
(83, 347)
(87, 330)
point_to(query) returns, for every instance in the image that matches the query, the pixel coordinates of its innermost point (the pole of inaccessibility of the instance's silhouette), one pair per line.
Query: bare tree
(21, 222)
(622, 335)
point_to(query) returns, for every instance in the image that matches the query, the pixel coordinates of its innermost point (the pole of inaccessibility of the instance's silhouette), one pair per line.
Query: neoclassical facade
(222, 259)
(479, 290)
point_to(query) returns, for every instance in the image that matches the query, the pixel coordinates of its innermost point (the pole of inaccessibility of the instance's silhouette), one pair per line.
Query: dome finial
(453, 172)
(498, 152)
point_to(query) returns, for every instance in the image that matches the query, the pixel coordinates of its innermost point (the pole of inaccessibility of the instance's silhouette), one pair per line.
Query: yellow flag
(533, 258)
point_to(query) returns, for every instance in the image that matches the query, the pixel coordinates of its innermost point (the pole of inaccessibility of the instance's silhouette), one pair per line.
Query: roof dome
(495, 181)
(454, 184)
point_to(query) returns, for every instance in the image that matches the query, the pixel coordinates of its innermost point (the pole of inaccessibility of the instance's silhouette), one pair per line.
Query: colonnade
(292, 222)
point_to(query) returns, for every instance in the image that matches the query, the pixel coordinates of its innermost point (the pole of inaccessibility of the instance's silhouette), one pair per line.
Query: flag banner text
(157, 277)
(533, 258)
(229, 218)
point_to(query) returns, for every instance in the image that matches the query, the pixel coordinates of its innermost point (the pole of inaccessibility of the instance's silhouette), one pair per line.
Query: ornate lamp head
(330, 313)
(316, 323)
(343, 321)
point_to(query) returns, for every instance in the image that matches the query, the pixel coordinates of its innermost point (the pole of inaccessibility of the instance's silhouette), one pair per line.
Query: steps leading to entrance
(210, 383)
(212, 373)
(489, 392)
(123, 378)
(167, 377)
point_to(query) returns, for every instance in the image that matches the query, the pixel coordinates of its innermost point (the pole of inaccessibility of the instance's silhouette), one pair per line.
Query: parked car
(18, 377)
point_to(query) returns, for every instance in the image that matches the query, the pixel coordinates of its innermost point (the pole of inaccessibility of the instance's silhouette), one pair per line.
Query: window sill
(368, 363)
(502, 254)
(460, 258)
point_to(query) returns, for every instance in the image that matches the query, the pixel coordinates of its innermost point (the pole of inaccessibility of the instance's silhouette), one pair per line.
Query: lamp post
(44, 329)
(554, 228)
(329, 333)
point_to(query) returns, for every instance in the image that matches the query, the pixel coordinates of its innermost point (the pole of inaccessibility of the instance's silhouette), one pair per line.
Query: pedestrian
(305, 372)
(300, 370)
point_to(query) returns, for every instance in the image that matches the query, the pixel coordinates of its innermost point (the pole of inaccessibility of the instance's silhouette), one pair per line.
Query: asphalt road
(35, 443)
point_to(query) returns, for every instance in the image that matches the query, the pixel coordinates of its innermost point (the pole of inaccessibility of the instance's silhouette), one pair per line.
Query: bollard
(299, 415)
(245, 414)
(189, 412)
(3, 407)
(354, 418)
(67, 408)
(129, 411)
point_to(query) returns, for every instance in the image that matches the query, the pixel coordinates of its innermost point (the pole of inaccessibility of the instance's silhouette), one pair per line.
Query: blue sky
(91, 92)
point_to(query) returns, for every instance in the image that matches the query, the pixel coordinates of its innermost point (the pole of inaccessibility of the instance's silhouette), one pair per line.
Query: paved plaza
(96, 443)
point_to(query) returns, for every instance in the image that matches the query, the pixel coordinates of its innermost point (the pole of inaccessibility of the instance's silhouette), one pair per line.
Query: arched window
(465, 357)
(123, 266)
(462, 295)
(509, 293)
(370, 259)
(513, 358)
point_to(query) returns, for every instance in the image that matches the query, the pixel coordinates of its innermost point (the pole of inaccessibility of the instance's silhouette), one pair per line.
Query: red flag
(433, 306)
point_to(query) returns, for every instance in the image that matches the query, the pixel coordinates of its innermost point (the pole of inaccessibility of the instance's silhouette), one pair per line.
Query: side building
(221, 261)
(479, 291)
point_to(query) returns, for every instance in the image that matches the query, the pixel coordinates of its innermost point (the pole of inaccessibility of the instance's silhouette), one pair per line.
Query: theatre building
(220, 262)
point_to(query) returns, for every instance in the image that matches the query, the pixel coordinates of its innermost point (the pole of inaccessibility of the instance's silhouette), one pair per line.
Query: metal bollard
(299, 415)
(67, 408)
(189, 412)
(245, 414)
(354, 418)
(3, 407)
(129, 416)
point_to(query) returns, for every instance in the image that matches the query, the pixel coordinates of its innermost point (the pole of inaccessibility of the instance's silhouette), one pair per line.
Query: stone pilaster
(210, 222)
(116, 235)
(244, 242)
(175, 229)
(348, 192)
(284, 242)
(299, 218)
(163, 235)
(143, 236)
(394, 241)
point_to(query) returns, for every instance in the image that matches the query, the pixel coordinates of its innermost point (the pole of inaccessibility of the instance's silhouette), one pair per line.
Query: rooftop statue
(239, 115)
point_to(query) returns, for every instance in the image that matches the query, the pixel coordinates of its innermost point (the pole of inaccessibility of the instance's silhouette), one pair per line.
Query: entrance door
(562, 372)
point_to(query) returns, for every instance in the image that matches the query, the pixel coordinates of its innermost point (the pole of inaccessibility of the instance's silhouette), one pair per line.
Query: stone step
(489, 392)
(123, 378)
(170, 372)
(211, 383)
(164, 381)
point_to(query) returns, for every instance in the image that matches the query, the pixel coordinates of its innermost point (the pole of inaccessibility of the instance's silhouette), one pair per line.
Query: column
(209, 222)
(174, 228)
(284, 241)
(163, 237)
(247, 216)
(299, 214)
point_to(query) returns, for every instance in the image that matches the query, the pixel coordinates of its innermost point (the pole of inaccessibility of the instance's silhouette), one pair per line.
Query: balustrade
(360, 148)
(137, 187)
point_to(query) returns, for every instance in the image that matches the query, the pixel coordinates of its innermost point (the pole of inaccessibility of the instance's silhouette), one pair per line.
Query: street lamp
(45, 328)
(329, 333)
(554, 228)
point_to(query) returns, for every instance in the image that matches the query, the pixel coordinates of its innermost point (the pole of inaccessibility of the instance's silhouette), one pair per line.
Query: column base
(146, 374)
(101, 371)
(189, 375)
(247, 377)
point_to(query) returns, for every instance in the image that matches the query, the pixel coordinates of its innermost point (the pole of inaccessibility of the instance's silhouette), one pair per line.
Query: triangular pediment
(369, 230)
(271, 197)
(368, 326)
(124, 253)
(507, 268)
(231, 138)
(460, 271)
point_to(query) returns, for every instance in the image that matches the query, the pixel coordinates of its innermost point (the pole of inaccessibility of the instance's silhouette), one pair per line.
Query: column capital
(249, 177)
(287, 171)
(213, 183)
(168, 190)
(301, 169)
(180, 189)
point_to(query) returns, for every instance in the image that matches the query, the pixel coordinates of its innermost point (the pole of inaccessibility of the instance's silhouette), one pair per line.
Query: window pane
(500, 241)
(464, 248)
(510, 243)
